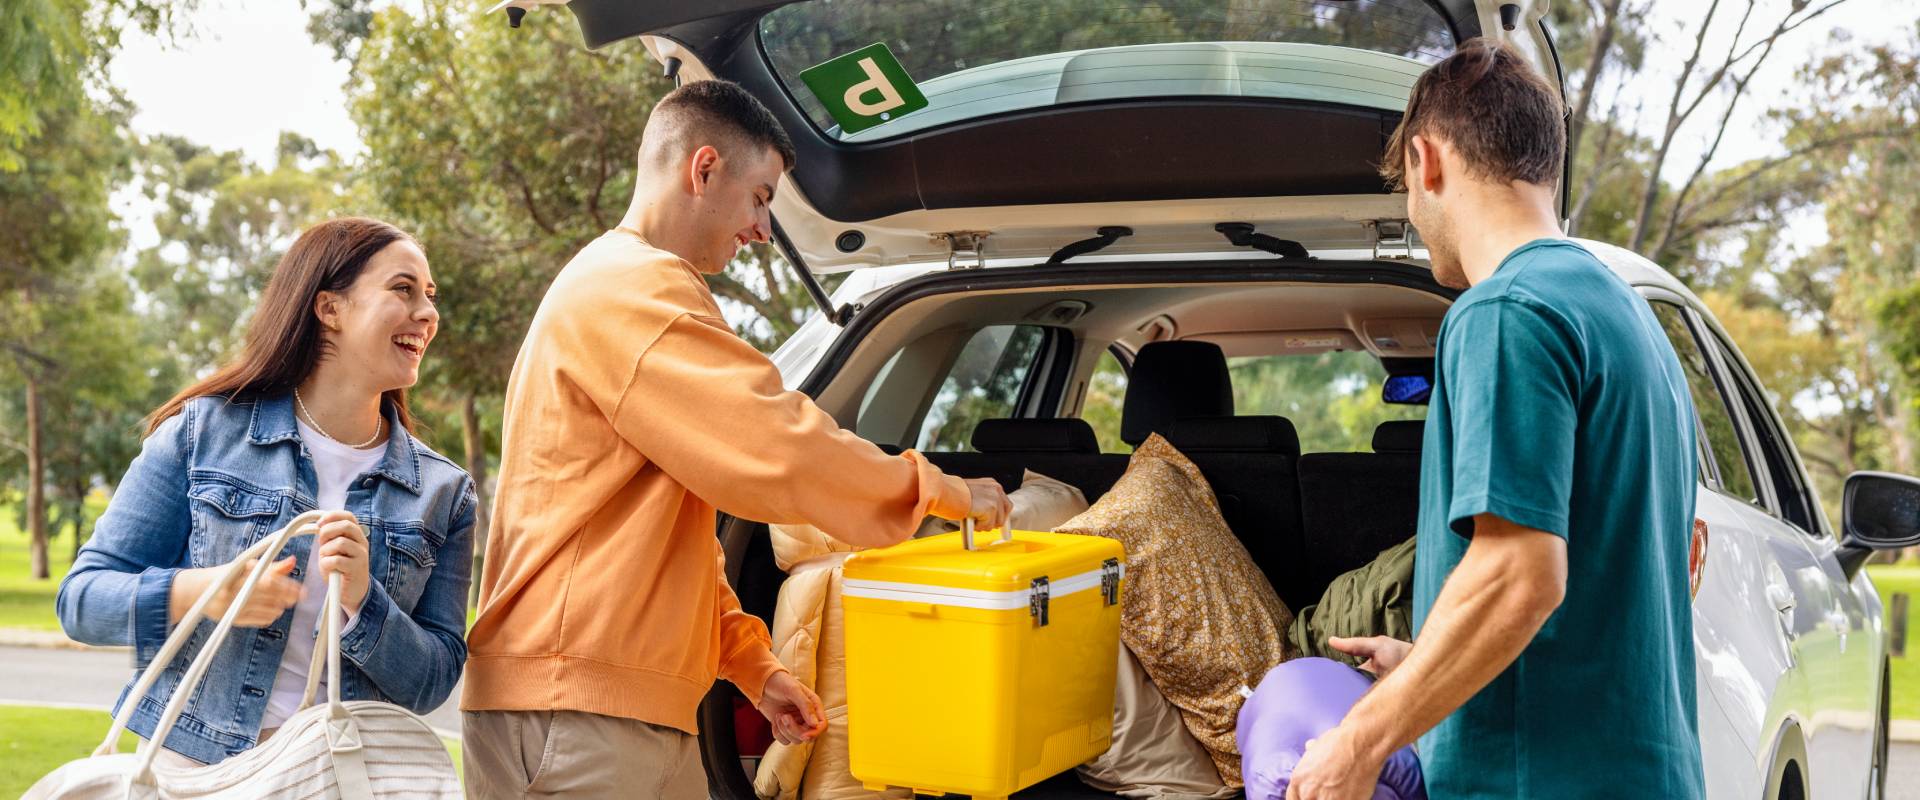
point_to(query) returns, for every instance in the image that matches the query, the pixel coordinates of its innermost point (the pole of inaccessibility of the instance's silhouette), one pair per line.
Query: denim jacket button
(253, 691)
(367, 484)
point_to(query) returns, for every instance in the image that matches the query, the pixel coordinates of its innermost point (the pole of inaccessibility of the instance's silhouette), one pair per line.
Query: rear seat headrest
(1171, 381)
(1063, 435)
(1235, 434)
(1399, 436)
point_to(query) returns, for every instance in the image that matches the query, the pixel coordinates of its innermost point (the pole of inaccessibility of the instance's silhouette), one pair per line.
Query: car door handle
(1782, 597)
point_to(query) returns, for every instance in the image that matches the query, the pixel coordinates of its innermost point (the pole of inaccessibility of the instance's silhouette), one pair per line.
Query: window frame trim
(1741, 373)
(1657, 294)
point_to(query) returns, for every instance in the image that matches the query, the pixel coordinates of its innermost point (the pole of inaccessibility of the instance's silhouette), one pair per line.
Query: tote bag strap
(343, 732)
(182, 631)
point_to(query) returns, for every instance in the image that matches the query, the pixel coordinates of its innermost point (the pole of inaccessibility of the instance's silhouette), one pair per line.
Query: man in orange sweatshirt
(632, 413)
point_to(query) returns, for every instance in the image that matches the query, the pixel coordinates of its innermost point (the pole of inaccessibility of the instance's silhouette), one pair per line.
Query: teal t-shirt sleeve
(1512, 379)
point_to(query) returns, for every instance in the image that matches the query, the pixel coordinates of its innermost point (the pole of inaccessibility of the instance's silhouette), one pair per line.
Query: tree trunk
(1602, 156)
(1601, 41)
(1900, 436)
(476, 445)
(36, 482)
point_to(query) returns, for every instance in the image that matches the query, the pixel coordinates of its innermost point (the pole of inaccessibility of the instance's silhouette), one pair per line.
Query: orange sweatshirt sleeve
(711, 412)
(746, 649)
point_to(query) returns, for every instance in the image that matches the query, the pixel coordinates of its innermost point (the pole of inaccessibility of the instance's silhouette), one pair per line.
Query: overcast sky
(251, 72)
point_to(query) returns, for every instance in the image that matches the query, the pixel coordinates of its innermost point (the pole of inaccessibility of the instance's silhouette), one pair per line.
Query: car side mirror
(1881, 511)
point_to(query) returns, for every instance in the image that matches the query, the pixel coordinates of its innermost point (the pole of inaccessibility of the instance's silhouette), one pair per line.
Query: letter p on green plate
(864, 88)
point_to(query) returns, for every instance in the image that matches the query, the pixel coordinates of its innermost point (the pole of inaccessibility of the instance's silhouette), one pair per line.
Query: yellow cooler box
(980, 671)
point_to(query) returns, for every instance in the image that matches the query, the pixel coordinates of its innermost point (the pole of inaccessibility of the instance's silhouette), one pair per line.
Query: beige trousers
(518, 754)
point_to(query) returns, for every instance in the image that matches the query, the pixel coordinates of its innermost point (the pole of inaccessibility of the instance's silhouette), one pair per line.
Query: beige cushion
(1153, 756)
(1196, 611)
(807, 635)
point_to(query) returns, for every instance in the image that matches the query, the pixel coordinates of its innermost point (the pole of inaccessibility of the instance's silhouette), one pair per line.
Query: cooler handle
(966, 533)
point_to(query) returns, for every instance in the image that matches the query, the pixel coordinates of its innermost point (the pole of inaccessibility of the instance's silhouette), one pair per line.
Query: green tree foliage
(223, 223)
(58, 231)
(43, 44)
(51, 52)
(1333, 398)
(1830, 329)
(505, 151)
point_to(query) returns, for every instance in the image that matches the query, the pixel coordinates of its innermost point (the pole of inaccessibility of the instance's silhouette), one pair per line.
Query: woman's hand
(274, 593)
(342, 547)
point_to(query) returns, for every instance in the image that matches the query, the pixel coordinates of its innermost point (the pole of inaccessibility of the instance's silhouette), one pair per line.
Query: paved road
(1903, 771)
(94, 678)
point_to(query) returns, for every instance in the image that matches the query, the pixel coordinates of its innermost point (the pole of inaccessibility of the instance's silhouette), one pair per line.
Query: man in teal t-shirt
(1553, 653)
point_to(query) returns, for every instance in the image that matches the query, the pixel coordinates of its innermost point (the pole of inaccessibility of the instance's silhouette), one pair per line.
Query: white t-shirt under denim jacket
(335, 465)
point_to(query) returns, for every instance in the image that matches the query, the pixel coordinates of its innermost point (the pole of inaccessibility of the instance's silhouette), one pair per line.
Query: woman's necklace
(323, 431)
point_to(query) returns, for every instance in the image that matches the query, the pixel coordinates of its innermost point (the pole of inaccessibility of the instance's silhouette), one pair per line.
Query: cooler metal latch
(1037, 601)
(1110, 580)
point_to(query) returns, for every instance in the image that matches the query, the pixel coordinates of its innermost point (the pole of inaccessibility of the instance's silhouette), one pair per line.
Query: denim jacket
(222, 475)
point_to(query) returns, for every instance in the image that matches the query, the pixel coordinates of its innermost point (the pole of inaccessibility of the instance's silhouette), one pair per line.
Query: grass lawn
(25, 602)
(1906, 671)
(34, 741)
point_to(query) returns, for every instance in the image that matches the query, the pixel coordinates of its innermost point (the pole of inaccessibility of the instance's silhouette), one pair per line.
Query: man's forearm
(1503, 590)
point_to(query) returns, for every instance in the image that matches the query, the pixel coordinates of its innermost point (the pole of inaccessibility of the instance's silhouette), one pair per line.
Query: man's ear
(1425, 168)
(701, 167)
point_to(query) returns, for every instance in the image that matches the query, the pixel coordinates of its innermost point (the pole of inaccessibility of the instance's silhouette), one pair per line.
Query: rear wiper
(1241, 234)
(1108, 235)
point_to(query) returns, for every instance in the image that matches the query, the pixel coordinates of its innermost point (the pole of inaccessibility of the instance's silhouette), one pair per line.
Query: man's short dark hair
(722, 114)
(1499, 114)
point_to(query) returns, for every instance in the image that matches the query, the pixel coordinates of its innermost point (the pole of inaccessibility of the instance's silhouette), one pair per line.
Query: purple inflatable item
(1298, 701)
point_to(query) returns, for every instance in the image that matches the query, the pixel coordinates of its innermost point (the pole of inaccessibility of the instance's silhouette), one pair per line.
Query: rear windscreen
(880, 68)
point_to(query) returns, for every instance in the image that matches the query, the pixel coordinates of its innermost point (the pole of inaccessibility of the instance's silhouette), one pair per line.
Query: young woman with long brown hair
(312, 414)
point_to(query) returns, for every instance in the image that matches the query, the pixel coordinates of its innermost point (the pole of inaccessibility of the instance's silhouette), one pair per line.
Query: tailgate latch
(1038, 599)
(1110, 580)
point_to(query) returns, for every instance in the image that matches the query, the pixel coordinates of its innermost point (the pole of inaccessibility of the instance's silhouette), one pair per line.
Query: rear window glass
(984, 383)
(1332, 398)
(1106, 396)
(973, 58)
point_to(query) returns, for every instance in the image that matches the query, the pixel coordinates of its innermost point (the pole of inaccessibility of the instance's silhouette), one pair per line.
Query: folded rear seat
(1355, 505)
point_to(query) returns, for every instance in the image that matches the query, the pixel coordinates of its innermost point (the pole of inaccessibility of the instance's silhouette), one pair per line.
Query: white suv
(1036, 200)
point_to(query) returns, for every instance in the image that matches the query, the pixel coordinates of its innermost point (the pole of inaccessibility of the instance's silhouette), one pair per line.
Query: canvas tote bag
(350, 751)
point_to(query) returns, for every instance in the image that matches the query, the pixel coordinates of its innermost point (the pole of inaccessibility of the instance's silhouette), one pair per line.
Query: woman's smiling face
(387, 319)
